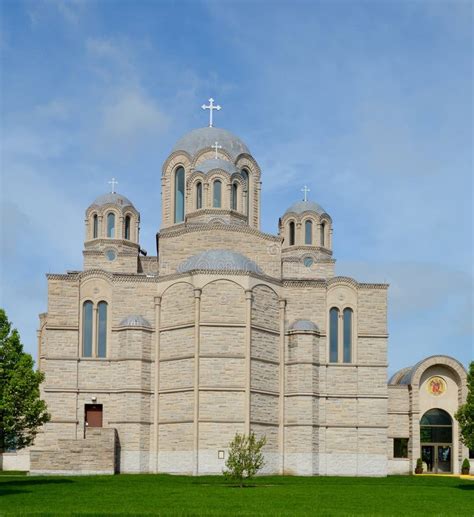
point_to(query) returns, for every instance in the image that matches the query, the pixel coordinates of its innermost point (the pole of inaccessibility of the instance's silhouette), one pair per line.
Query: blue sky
(368, 103)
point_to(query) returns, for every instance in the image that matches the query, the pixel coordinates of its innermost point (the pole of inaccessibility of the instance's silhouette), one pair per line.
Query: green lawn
(212, 495)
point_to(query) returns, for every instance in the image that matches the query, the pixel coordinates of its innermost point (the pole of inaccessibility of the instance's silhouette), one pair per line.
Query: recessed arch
(308, 232)
(291, 233)
(179, 195)
(217, 193)
(111, 225)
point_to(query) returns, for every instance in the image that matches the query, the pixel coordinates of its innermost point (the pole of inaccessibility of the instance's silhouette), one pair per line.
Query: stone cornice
(215, 211)
(111, 242)
(336, 280)
(181, 229)
(307, 248)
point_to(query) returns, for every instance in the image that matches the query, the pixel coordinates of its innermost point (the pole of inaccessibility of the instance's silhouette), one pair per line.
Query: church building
(153, 363)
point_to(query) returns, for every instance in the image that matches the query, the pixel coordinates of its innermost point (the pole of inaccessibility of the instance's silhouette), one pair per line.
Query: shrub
(466, 466)
(419, 466)
(245, 457)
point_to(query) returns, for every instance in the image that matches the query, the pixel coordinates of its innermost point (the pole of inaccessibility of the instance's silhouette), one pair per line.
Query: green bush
(245, 457)
(466, 465)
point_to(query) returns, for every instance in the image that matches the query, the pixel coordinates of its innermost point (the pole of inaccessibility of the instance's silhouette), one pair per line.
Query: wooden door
(93, 415)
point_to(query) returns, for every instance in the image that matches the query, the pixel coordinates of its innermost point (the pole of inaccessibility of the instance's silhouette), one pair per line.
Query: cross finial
(215, 147)
(113, 183)
(211, 108)
(305, 190)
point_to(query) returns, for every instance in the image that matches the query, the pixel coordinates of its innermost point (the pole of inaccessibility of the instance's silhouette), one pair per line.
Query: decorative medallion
(308, 261)
(111, 254)
(436, 386)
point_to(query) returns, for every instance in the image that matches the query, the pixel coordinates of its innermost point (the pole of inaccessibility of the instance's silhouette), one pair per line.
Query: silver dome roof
(305, 206)
(303, 325)
(219, 260)
(112, 198)
(216, 163)
(135, 320)
(206, 137)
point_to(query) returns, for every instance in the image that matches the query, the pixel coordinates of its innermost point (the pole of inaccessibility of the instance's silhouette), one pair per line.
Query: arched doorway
(436, 437)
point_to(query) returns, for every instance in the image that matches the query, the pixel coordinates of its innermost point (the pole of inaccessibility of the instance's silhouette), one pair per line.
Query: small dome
(206, 137)
(135, 320)
(305, 206)
(219, 260)
(216, 163)
(112, 198)
(304, 325)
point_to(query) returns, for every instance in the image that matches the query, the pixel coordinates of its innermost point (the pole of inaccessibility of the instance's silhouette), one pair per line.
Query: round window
(111, 255)
(308, 261)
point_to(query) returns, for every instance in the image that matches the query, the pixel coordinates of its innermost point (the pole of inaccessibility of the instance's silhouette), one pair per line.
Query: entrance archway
(436, 437)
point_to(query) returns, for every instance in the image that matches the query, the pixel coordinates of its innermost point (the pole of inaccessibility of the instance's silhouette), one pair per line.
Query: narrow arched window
(333, 334)
(347, 335)
(127, 227)
(217, 194)
(87, 311)
(102, 329)
(323, 230)
(198, 195)
(235, 193)
(111, 225)
(179, 195)
(95, 227)
(246, 177)
(308, 232)
(291, 229)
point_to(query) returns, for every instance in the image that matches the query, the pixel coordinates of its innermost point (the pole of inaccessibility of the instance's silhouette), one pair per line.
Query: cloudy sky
(368, 103)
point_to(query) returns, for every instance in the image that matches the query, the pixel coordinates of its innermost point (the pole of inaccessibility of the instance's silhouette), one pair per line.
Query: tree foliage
(245, 457)
(22, 411)
(465, 413)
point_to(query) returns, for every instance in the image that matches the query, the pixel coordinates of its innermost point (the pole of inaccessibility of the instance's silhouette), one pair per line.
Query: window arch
(436, 426)
(308, 232)
(322, 234)
(291, 231)
(102, 329)
(245, 175)
(179, 195)
(128, 221)
(198, 195)
(333, 335)
(234, 196)
(87, 312)
(347, 335)
(111, 225)
(217, 194)
(95, 226)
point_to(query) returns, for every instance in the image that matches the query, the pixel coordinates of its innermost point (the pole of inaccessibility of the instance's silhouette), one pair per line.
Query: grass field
(213, 495)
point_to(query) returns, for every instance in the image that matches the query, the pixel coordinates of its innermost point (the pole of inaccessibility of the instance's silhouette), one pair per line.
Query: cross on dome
(211, 108)
(305, 190)
(113, 182)
(216, 146)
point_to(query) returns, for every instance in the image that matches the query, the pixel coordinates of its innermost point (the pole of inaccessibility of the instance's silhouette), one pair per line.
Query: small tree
(465, 413)
(245, 457)
(22, 411)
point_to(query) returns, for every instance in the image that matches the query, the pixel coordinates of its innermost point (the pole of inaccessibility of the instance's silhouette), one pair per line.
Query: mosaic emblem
(436, 386)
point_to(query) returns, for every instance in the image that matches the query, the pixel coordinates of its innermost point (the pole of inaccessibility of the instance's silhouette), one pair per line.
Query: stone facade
(227, 329)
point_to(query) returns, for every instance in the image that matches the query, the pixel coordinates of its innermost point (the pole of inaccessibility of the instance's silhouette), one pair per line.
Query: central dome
(206, 137)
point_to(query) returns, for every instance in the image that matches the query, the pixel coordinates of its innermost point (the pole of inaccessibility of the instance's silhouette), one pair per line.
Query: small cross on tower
(211, 108)
(215, 147)
(305, 190)
(113, 183)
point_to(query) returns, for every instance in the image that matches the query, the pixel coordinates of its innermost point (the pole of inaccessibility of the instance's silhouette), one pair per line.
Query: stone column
(156, 387)
(248, 360)
(197, 317)
(282, 386)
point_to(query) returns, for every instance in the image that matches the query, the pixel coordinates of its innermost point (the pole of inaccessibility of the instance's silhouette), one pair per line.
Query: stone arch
(177, 305)
(223, 301)
(265, 307)
(436, 360)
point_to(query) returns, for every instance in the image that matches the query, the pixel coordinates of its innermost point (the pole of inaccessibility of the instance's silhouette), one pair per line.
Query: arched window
(102, 329)
(127, 227)
(198, 195)
(347, 335)
(323, 231)
(235, 193)
(308, 232)
(95, 227)
(436, 426)
(245, 175)
(333, 334)
(179, 195)
(111, 225)
(217, 194)
(291, 229)
(87, 311)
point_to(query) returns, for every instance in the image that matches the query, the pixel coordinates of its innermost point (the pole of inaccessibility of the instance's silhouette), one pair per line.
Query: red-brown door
(93, 415)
